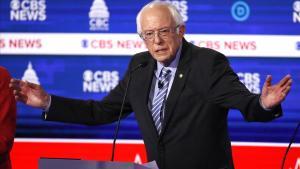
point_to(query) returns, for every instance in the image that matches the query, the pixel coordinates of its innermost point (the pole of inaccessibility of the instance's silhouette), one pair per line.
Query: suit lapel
(143, 92)
(178, 84)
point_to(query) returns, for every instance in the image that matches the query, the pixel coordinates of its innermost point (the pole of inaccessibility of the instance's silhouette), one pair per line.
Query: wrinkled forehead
(156, 17)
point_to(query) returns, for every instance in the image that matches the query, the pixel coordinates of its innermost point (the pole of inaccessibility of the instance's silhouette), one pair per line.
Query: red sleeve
(7, 113)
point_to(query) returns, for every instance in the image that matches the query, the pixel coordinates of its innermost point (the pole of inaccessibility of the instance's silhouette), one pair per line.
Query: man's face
(163, 40)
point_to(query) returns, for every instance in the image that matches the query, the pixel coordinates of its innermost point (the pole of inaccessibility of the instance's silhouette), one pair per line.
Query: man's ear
(181, 30)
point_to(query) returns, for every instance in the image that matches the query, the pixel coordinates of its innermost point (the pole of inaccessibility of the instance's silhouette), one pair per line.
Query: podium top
(45, 163)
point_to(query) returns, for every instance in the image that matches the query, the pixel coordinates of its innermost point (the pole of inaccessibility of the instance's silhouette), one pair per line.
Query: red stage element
(25, 153)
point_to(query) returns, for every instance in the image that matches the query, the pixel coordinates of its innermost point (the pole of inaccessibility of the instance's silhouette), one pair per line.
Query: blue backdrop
(90, 77)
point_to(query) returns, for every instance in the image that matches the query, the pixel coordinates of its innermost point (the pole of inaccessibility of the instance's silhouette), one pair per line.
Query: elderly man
(180, 94)
(7, 119)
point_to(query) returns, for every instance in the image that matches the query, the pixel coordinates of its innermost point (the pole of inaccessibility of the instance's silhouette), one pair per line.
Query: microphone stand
(289, 146)
(121, 109)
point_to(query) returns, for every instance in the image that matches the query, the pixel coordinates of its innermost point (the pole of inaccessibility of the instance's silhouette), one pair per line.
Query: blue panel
(74, 76)
(281, 129)
(205, 16)
(63, 75)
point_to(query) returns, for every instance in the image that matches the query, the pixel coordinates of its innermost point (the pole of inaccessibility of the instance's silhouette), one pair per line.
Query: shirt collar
(173, 65)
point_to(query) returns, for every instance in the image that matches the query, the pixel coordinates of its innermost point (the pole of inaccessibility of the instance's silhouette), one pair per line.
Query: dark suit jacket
(194, 134)
(7, 119)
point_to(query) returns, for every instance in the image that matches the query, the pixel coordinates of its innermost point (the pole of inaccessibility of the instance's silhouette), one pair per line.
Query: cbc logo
(100, 81)
(240, 11)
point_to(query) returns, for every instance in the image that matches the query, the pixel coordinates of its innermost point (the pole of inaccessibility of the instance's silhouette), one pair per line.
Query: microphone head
(142, 64)
(160, 84)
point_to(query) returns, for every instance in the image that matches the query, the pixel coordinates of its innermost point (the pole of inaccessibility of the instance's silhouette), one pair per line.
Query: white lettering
(251, 81)
(34, 5)
(296, 17)
(28, 10)
(87, 87)
(42, 5)
(137, 159)
(297, 165)
(105, 86)
(42, 15)
(23, 15)
(25, 5)
(100, 81)
(32, 16)
(14, 15)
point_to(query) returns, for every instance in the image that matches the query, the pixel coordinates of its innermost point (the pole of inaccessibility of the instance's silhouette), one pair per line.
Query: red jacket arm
(7, 113)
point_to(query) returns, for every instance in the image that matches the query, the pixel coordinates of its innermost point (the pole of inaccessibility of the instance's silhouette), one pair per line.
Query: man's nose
(157, 38)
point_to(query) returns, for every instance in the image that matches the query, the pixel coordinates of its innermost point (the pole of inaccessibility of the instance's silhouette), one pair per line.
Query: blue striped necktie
(159, 100)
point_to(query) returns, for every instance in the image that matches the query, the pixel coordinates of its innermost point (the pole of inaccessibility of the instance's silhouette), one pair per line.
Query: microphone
(289, 146)
(142, 64)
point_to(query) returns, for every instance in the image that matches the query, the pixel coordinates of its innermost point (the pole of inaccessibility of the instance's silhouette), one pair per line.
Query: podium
(47, 163)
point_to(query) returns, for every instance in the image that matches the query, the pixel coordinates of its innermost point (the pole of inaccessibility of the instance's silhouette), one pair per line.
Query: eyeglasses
(162, 33)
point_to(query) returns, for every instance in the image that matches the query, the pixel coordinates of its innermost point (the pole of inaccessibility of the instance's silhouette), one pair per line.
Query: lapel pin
(180, 75)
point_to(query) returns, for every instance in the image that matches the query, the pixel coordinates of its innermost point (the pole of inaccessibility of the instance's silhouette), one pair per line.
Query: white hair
(172, 9)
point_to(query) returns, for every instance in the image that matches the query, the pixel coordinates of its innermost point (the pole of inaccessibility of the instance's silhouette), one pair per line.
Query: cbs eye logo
(296, 6)
(240, 11)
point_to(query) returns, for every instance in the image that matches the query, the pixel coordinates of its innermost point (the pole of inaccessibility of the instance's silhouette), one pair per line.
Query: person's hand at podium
(29, 93)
